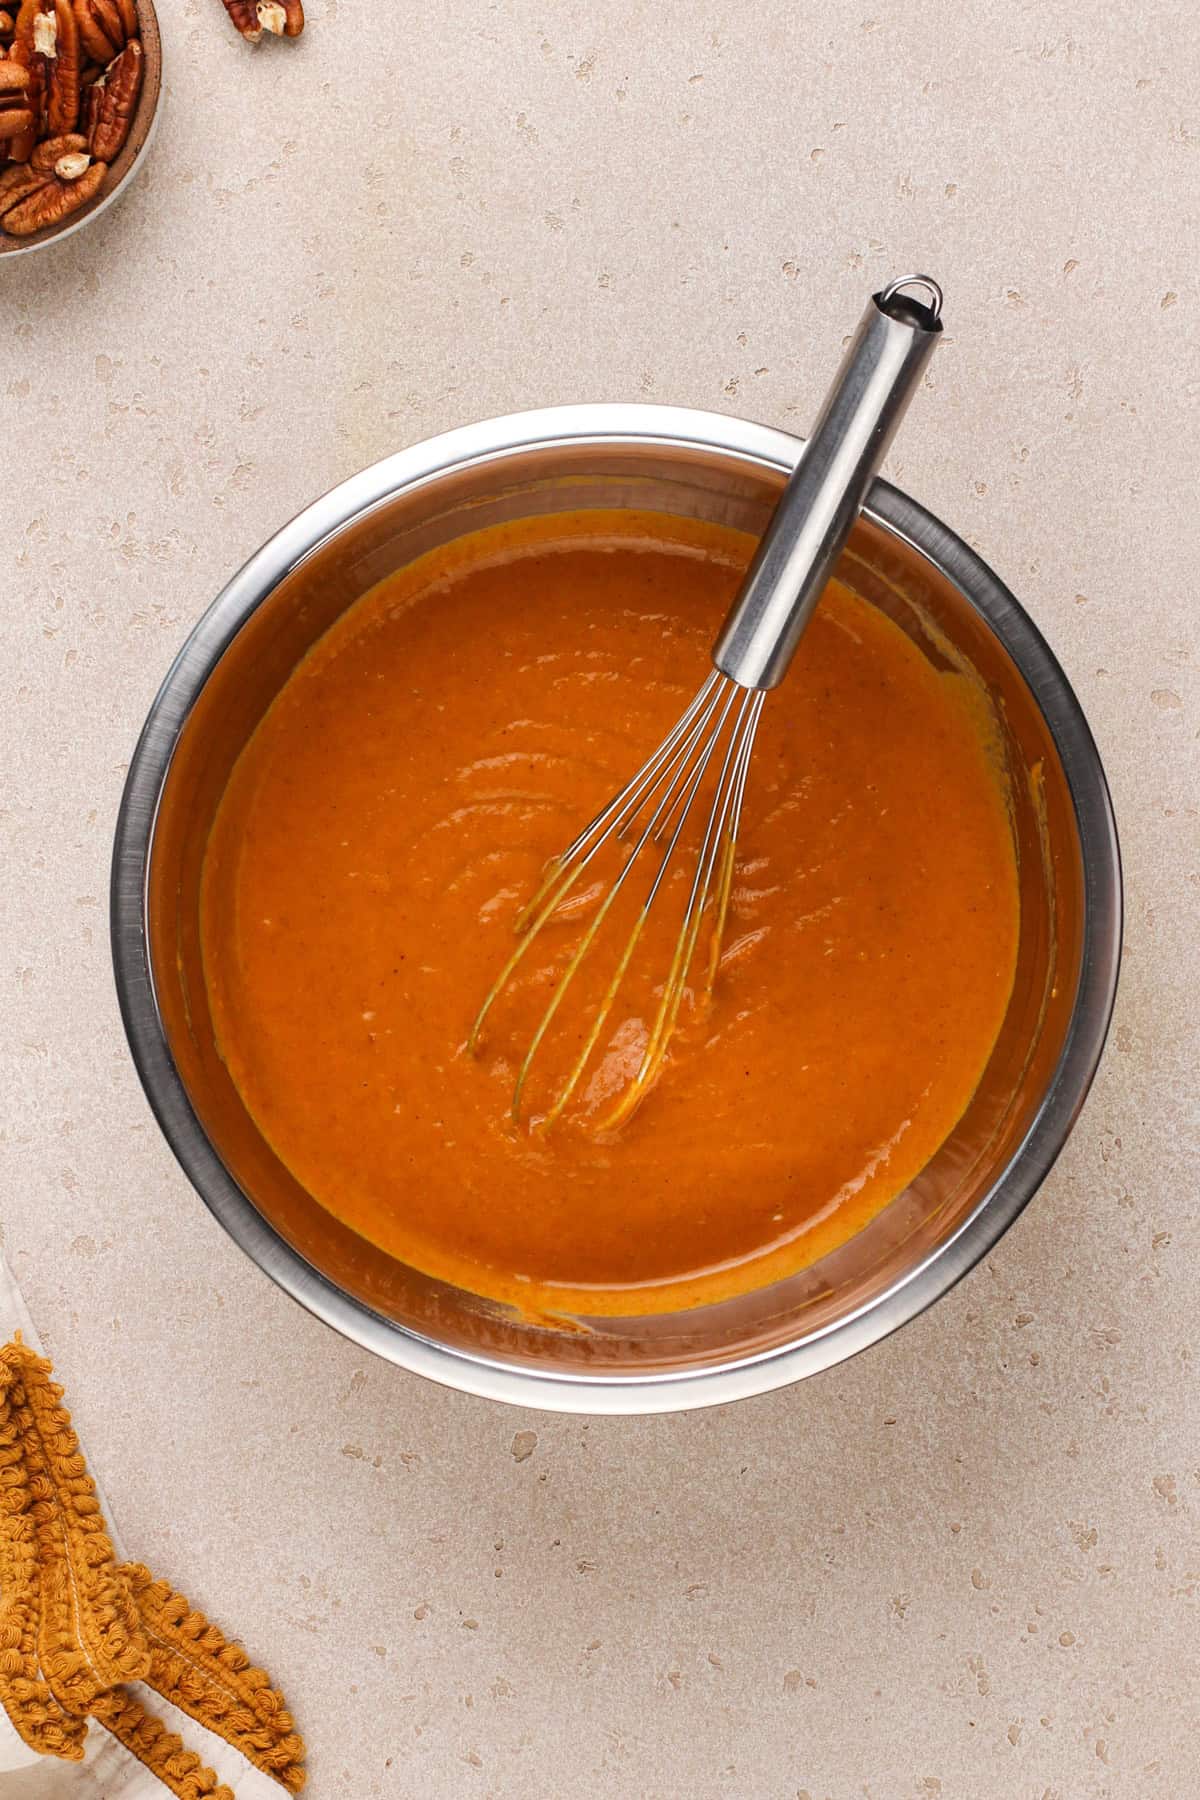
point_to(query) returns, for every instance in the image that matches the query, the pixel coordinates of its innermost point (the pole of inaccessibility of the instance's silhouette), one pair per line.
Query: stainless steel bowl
(900, 558)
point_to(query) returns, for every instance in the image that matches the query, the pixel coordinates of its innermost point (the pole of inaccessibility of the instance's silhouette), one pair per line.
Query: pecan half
(48, 152)
(16, 122)
(27, 14)
(20, 146)
(282, 18)
(62, 75)
(16, 115)
(14, 82)
(112, 22)
(54, 202)
(16, 183)
(111, 104)
(7, 24)
(94, 33)
(244, 14)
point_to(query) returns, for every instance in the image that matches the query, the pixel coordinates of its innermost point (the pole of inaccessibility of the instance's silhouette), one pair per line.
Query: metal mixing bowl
(900, 558)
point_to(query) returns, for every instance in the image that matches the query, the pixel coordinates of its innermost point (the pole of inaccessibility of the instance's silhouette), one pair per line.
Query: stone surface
(967, 1564)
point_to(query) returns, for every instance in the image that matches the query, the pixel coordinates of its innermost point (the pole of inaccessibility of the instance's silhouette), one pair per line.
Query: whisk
(716, 731)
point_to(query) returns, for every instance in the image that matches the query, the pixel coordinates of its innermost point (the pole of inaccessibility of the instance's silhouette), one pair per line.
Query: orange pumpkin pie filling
(394, 810)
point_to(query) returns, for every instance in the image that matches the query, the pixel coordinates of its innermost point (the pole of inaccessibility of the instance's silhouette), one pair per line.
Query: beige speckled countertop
(966, 1565)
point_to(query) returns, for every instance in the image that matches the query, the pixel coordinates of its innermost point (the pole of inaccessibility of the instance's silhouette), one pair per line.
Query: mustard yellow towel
(101, 1666)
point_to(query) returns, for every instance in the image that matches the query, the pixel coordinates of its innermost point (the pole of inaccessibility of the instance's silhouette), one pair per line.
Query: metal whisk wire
(751, 655)
(665, 785)
(718, 851)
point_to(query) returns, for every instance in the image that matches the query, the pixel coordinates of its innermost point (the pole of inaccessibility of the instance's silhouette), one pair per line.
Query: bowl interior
(886, 569)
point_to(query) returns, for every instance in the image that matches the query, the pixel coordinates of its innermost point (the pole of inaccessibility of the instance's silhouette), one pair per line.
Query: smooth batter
(394, 810)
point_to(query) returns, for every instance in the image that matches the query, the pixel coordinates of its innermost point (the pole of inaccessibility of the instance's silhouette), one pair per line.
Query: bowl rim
(609, 426)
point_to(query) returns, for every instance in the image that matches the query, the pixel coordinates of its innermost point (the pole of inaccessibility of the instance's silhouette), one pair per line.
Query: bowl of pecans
(79, 89)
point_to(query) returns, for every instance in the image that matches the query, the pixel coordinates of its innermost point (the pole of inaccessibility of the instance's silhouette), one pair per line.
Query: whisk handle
(825, 494)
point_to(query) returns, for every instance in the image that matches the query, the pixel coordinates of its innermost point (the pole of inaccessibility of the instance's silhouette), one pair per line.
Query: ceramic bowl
(127, 164)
